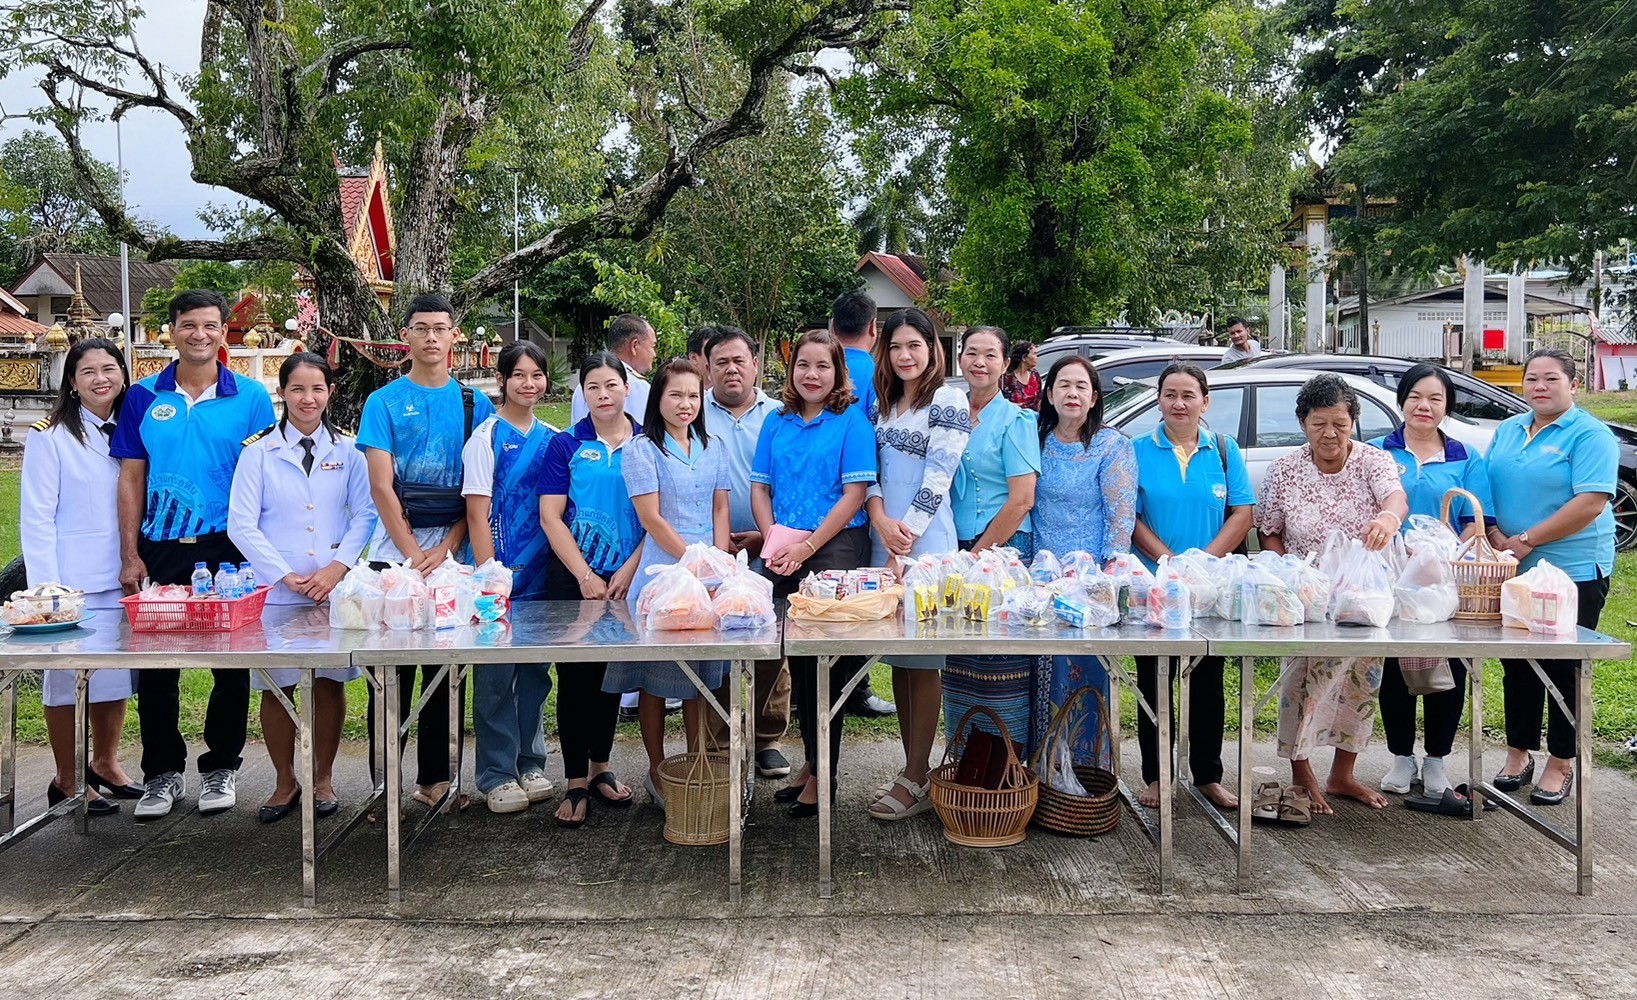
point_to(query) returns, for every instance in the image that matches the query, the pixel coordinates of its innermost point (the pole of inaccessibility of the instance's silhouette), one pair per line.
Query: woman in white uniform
(67, 473)
(301, 512)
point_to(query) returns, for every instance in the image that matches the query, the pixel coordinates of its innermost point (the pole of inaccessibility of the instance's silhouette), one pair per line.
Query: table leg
(1247, 721)
(1114, 692)
(395, 782)
(1475, 750)
(82, 689)
(1183, 775)
(1162, 722)
(8, 755)
(457, 711)
(1583, 790)
(822, 700)
(309, 806)
(736, 774)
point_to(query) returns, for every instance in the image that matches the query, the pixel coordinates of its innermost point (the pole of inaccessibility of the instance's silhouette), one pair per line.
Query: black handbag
(430, 506)
(1243, 548)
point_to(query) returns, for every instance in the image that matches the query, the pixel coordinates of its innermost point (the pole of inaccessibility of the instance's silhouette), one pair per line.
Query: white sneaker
(537, 785)
(508, 798)
(1434, 779)
(219, 792)
(1400, 776)
(159, 796)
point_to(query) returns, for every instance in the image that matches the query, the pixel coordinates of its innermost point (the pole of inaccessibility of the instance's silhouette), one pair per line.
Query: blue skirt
(1016, 688)
(663, 680)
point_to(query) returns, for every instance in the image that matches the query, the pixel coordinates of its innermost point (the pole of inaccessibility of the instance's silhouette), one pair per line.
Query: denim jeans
(508, 715)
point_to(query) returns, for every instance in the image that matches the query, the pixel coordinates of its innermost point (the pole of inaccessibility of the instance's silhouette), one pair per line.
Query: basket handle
(1014, 775)
(1054, 733)
(1481, 546)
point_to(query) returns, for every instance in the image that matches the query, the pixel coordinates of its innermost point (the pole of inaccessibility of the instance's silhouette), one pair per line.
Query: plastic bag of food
(1311, 586)
(1030, 605)
(1133, 581)
(1229, 596)
(1265, 599)
(1543, 599)
(1045, 568)
(1079, 563)
(1013, 573)
(707, 563)
(1090, 601)
(1362, 593)
(406, 603)
(952, 571)
(921, 589)
(981, 592)
(357, 602)
(1425, 591)
(1429, 533)
(493, 577)
(1170, 605)
(676, 601)
(744, 600)
(452, 593)
(1200, 571)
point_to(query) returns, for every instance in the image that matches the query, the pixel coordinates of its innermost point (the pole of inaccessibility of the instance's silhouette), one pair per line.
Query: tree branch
(580, 39)
(335, 59)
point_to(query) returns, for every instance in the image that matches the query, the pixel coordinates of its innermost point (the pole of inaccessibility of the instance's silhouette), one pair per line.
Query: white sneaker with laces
(219, 793)
(1434, 779)
(159, 796)
(508, 798)
(537, 785)
(1400, 776)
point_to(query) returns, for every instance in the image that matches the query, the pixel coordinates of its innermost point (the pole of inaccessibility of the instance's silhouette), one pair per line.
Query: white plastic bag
(708, 563)
(1170, 604)
(1265, 599)
(1429, 533)
(452, 593)
(676, 600)
(1060, 772)
(493, 577)
(406, 604)
(1543, 599)
(1363, 590)
(1425, 592)
(357, 602)
(743, 601)
(1231, 572)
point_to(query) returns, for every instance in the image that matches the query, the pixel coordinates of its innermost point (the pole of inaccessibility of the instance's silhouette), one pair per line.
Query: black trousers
(586, 714)
(1525, 693)
(159, 697)
(431, 729)
(848, 550)
(1207, 710)
(1441, 712)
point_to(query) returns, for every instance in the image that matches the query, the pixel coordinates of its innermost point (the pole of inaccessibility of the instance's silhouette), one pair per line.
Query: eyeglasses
(421, 331)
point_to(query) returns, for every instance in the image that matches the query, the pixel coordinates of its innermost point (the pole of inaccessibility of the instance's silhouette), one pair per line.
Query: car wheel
(1625, 515)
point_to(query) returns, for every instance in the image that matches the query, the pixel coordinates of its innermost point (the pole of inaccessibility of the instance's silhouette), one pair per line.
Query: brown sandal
(1296, 806)
(1265, 806)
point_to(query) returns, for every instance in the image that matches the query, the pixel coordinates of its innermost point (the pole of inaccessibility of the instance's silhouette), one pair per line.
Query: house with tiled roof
(15, 326)
(366, 218)
(46, 290)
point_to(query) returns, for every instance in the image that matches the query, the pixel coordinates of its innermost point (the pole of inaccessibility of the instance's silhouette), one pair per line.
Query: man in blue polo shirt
(852, 321)
(178, 440)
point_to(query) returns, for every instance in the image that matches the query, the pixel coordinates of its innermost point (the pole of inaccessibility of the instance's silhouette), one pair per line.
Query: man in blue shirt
(852, 321)
(412, 433)
(178, 441)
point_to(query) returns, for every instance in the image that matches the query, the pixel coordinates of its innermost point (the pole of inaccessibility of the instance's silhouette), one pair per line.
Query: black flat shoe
(107, 787)
(1512, 782)
(1541, 797)
(325, 808)
(94, 807)
(789, 793)
(803, 810)
(272, 814)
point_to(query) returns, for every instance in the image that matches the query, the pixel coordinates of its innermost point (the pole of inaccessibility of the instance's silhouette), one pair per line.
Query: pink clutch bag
(780, 537)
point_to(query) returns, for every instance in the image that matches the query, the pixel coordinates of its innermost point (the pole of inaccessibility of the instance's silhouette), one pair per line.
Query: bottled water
(247, 580)
(227, 581)
(202, 584)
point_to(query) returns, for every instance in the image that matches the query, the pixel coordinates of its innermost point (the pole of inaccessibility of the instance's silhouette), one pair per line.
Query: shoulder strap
(1222, 453)
(468, 400)
(252, 439)
(41, 425)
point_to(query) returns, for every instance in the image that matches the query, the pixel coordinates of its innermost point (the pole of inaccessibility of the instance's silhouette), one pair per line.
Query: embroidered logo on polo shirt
(1402, 469)
(591, 454)
(164, 411)
(1220, 490)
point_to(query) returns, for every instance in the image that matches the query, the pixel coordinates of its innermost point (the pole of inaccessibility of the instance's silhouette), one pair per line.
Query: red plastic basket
(195, 614)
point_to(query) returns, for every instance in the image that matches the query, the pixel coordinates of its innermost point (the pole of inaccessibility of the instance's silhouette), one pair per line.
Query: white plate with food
(39, 627)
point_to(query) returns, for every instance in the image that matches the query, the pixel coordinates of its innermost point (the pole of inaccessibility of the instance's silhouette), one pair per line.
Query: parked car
(1119, 367)
(1476, 400)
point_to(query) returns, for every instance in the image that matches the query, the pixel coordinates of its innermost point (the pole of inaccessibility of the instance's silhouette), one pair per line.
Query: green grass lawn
(1615, 407)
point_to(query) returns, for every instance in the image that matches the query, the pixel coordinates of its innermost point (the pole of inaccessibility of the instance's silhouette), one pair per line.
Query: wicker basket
(1090, 815)
(982, 817)
(695, 787)
(1478, 581)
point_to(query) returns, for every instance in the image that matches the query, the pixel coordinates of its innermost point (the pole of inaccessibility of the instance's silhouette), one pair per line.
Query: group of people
(866, 456)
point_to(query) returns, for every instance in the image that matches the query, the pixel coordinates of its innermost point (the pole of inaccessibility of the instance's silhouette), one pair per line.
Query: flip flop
(428, 795)
(1455, 802)
(607, 778)
(575, 796)
(1265, 806)
(1296, 806)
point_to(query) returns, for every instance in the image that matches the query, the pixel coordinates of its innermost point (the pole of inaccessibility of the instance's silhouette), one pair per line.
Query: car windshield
(1118, 399)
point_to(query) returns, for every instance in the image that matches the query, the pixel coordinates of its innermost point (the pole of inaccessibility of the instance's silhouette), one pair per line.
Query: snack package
(1169, 603)
(953, 569)
(676, 601)
(406, 603)
(1363, 590)
(1045, 568)
(980, 593)
(1088, 602)
(1264, 599)
(357, 602)
(1425, 591)
(452, 593)
(165, 592)
(812, 585)
(1030, 605)
(744, 600)
(1199, 571)
(1429, 533)
(706, 562)
(1543, 599)
(493, 577)
(921, 591)
(492, 607)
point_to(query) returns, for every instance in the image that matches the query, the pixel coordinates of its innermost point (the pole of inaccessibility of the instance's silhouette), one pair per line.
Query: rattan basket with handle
(1477, 580)
(695, 786)
(1098, 811)
(983, 817)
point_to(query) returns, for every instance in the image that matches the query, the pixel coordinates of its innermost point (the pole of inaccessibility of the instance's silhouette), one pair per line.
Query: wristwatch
(1523, 536)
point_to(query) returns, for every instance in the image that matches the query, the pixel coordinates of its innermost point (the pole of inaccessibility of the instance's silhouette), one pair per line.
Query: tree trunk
(347, 307)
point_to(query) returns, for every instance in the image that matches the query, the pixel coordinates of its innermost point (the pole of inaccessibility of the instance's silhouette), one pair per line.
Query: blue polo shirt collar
(794, 416)
(226, 384)
(1454, 451)
(1207, 439)
(585, 430)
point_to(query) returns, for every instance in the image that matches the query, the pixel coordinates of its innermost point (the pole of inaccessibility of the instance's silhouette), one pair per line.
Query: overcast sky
(158, 185)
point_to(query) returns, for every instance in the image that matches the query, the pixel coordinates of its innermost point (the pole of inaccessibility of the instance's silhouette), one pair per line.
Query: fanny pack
(427, 505)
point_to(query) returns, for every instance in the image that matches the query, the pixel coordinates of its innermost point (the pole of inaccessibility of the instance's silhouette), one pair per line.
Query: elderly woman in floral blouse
(1333, 482)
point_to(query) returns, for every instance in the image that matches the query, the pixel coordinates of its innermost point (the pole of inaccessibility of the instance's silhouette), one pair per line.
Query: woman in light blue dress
(679, 486)
(1086, 500)
(921, 430)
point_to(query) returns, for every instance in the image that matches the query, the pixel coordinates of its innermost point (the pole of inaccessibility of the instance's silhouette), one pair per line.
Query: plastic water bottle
(227, 581)
(247, 580)
(202, 584)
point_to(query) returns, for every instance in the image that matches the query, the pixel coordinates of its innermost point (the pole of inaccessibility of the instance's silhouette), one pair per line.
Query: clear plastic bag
(1265, 599)
(1425, 592)
(921, 591)
(1079, 563)
(1060, 772)
(1133, 581)
(452, 593)
(953, 569)
(744, 601)
(1201, 572)
(358, 602)
(1030, 605)
(1363, 590)
(1090, 601)
(406, 602)
(1542, 599)
(1229, 598)
(675, 600)
(981, 596)
(1045, 568)
(1311, 587)
(707, 563)
(1429, 533)
(1170, 605)
(493, 577)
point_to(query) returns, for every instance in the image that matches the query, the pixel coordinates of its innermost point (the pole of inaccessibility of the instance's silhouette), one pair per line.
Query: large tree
(453, 88)
(42, 205)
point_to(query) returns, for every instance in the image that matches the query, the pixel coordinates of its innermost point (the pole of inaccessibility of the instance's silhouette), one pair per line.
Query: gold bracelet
(809, 543)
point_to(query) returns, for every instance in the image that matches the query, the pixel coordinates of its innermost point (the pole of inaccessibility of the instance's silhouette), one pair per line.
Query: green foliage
(624, 291)
(42, 206)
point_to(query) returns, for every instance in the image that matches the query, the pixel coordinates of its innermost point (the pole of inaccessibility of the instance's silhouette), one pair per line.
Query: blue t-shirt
(1532, 479)
(861, 368)
(739, 438)
(1005, 443)
(1186, 502)
(599, 513)
(807, 464)
(424, 430)
(191, 448)
(1425, 483)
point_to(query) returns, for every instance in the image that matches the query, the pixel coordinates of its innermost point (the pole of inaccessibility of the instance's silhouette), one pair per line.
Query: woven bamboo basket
(1093, 814)
(982, 817)
(695, 787)
(1478, 581)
